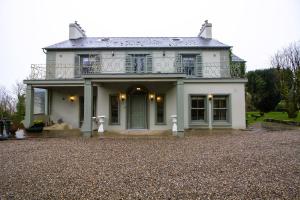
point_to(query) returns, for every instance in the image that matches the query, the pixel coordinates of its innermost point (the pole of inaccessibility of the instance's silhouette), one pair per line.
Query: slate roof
(235, 58)
(138, 42)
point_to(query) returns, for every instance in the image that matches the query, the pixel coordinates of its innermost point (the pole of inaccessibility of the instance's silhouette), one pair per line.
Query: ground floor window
(160, 109)
(220, 108)
(198, 108)
(114, 111)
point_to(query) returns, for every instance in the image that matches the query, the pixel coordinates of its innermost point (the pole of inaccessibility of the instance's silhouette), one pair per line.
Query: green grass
(273, 115)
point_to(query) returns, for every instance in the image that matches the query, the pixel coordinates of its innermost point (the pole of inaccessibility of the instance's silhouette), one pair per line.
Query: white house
(140, 82)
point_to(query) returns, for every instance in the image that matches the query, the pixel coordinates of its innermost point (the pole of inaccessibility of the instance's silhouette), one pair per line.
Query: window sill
(114, 124)
(160, 124)
(221, 124)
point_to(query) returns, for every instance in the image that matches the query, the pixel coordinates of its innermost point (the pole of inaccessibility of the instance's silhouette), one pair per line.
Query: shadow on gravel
(117, 135)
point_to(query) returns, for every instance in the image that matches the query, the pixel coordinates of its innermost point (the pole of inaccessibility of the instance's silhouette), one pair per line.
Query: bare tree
(287, 62)
(19, 89)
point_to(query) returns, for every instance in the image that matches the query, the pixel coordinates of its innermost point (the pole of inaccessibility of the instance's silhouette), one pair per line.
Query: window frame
(205, 108)
(228, 109)
(110, 110)
(133, 54)
(195, 64)
(164, 104)
(88, 56)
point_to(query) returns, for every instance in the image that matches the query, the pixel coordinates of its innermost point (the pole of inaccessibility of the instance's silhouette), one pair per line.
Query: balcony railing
(68, 71)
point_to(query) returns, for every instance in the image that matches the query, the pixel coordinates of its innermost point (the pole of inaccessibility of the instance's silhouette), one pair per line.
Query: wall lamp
(112, 53)
(158, 98)
(210, 97)
(72, 98)
(123, 97)
(151, 97)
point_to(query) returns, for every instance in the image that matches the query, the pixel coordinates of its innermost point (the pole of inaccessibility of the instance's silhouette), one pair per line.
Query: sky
(255, 28)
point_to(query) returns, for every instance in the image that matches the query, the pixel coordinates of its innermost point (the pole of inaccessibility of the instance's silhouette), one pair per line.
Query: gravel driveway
(240, 165)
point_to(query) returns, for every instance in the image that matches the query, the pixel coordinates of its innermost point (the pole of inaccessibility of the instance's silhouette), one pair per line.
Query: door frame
(132, 90)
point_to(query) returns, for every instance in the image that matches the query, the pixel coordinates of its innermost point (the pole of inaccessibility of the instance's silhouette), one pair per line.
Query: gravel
(255, 164)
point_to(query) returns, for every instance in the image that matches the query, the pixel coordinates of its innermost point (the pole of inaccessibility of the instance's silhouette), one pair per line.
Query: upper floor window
(139, 63)
(189, 64)
(87, 62)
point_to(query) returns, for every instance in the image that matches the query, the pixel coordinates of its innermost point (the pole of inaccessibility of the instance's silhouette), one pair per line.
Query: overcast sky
(255, 28)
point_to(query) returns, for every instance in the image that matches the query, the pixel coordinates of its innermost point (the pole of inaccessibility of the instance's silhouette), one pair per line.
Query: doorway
(137, 108)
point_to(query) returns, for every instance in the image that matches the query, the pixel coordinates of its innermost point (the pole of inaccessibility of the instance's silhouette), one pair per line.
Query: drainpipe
(210, 97)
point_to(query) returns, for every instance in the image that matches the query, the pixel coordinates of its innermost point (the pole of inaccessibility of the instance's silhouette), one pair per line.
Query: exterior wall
(104, 91)
(65, 67)
(212, 60)
(236, 91)
(62, 108)
(163, 64)
(103, 108)
(114, 61)
(170, 109)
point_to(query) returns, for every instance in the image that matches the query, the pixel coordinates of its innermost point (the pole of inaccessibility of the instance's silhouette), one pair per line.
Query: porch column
(87, 127)
(180, 109)
(46, 109)
(29, 106)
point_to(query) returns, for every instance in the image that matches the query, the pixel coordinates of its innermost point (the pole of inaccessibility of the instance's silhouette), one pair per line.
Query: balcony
(69, 71)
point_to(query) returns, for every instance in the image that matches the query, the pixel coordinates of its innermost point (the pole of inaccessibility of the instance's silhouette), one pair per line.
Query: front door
(138, 111)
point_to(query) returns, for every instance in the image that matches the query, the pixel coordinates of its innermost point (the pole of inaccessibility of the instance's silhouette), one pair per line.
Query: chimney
(205, 30)
(75, 31)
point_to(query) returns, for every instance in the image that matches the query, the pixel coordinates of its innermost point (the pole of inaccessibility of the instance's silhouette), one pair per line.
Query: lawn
(270, 115)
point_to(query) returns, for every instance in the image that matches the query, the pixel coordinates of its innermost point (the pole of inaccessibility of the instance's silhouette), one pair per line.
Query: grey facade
(139, 82)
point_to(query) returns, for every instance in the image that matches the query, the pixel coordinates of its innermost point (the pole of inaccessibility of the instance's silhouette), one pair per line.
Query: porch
(137, 103)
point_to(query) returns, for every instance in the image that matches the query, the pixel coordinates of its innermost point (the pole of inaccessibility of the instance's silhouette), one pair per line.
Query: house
(140, 82)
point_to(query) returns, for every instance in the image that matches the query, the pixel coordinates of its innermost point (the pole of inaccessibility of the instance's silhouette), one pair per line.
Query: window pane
(198, 108)
(220, 103)
(197, 102)
(220, 108)
(197, 114)
(114, 109)
(160, 109)
(220, 114)
(139, 63)
(188, 64)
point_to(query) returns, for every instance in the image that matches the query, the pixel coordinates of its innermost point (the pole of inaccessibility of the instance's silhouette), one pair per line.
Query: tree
(7, 103)
(19, 90)
(263, 88)
(287, 63)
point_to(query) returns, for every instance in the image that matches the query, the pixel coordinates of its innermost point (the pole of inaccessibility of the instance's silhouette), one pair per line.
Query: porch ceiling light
(210, 96)
(138, 89)
(72, 98)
